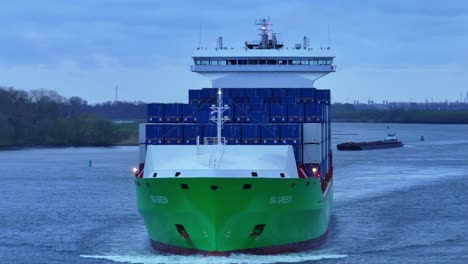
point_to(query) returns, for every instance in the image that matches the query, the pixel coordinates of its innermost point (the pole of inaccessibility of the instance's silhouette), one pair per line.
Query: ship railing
(213, 141)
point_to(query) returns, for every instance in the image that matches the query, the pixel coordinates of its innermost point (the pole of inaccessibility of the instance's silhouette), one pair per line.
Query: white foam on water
(199, 259)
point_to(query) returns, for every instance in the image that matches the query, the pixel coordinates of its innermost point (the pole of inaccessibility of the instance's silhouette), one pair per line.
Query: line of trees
(348, 113)
(45, 118)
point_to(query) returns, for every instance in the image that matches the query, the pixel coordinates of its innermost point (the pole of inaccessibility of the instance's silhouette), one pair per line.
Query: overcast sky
(397, 50)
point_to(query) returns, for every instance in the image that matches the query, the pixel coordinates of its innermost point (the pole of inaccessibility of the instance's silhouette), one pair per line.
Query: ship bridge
(264, 64)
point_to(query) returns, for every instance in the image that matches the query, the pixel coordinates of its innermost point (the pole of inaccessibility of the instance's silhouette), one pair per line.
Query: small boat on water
(391, 141)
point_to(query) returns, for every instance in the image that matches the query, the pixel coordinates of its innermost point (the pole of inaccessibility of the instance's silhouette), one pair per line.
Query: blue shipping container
(278, 113)
(191, 132)
(323, 96)
(209, 131)
(259, 107)
(250, 134)
(294, 92)
(203, 117)
(232, 133)
(227, 100)
(250, 92)
(241, 100)
(279, 92)
(313, 113)
(203, 114)
(226, 92)
(272, 100)
(155, 113)
(291, 134)
(235, 92)
(204, 107)
(189, 113)
(195, 96)
(270, 134)
(209, 101)
(288, 100)
(264, 92)
(209, 93)
(173, 113)
(295, 113)
(257, 100)
(154, 134)
(259, 117)
(173, 134)
(242, 113)
(308, 95)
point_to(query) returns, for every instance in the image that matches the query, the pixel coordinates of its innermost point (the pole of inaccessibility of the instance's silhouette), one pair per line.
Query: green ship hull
(224, 215)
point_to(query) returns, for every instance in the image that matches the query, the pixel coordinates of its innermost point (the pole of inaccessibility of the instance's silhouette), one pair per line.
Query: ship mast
(219, 119)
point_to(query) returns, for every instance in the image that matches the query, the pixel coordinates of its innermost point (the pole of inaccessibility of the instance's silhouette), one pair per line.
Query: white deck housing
(267, 161)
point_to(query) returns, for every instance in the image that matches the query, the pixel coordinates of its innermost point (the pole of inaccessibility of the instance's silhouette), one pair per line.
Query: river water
(407, 205)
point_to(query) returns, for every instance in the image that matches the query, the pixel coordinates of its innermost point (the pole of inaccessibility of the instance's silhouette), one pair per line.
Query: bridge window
(231, 61)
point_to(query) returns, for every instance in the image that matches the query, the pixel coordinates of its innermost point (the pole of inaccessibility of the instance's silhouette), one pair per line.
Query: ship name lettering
(159, 199)
(280, 199)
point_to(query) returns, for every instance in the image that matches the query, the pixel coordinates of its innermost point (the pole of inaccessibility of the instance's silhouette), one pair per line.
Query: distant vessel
(391, 141)
(245, 169)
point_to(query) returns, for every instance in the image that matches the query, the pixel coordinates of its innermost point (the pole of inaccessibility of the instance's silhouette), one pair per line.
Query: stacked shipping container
(293, 116)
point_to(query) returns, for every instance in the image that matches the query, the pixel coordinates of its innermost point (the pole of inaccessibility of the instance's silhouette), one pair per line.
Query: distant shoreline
(7, 148)
(396, 122)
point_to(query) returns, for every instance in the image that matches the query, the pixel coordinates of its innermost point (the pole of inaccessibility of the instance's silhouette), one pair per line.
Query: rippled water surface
(407, 205)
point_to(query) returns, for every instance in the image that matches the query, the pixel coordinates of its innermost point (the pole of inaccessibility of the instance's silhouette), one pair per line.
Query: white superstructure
(264, 64)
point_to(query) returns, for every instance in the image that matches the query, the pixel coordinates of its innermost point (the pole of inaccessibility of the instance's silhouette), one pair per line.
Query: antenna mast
(268, 37)
(199, 37)
(219, 119)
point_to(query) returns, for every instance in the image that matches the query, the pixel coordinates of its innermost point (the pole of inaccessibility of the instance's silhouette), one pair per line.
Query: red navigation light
(318, 175)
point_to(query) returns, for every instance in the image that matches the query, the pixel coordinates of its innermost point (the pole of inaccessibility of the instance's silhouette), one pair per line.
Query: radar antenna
(268, 38)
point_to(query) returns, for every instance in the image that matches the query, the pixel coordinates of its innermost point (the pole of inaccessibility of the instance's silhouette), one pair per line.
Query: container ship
(246, 165)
